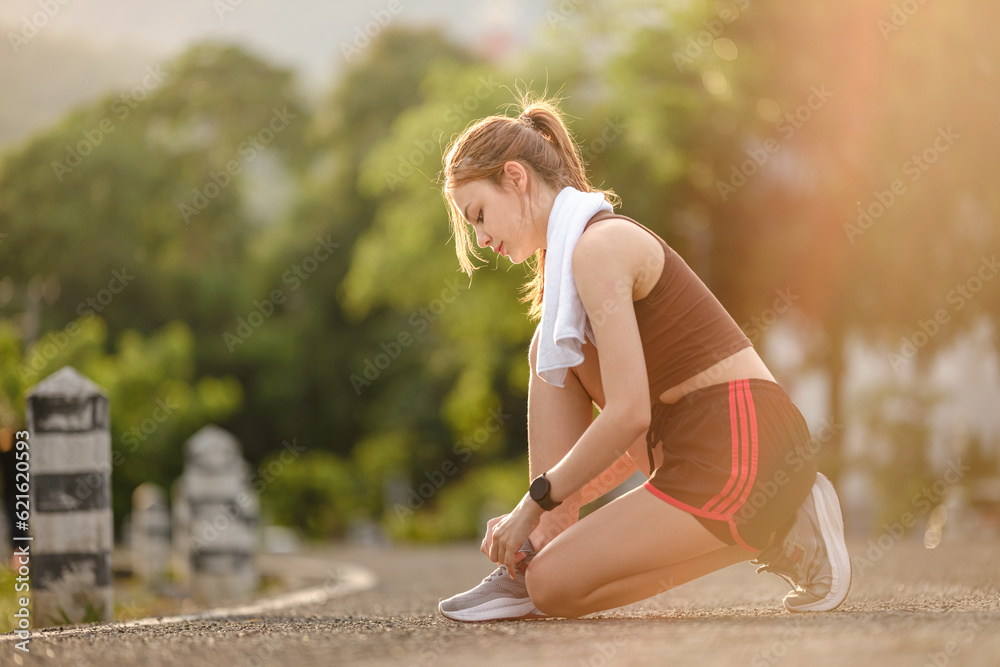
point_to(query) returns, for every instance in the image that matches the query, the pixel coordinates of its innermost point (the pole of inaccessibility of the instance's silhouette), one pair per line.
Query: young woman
(683, 397)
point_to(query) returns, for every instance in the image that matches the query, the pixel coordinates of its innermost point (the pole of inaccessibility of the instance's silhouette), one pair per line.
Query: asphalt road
(908, 606)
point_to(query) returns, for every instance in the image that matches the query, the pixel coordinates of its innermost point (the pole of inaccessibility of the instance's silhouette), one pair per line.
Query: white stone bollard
(180, 538)
(71, 523)
(222, 517)
(150, 534)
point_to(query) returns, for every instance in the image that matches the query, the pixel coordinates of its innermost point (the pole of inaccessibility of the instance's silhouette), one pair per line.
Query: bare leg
(557, 417)
(635, 547)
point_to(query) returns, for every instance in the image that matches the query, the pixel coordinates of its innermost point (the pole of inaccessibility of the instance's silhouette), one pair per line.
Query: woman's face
(498, 217)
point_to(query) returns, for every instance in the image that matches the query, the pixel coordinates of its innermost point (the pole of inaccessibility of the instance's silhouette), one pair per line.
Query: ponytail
(539, 139)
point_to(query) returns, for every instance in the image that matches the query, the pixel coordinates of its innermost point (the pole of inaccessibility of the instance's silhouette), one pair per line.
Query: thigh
(633, 548)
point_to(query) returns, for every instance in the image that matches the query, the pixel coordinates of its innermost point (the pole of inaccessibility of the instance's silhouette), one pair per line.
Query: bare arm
(606, 263)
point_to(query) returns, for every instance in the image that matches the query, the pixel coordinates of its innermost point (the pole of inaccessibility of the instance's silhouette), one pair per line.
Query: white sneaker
(497, 598)
(813, 557)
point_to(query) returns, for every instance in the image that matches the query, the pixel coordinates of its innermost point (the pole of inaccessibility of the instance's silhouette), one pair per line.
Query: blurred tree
(144, 207)
(156, 399)
(138, 184)
(852, 212)
(300, 365)
(317, 494)
(753, 135)
(898, 425)
(467, 352)
(308, 252)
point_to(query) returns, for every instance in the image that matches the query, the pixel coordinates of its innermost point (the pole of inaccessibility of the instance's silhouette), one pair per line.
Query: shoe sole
(494, 610)
(831, 525)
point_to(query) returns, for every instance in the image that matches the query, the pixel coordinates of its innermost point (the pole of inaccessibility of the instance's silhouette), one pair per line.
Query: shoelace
(787, 572)
(502, 570)
(799, 574)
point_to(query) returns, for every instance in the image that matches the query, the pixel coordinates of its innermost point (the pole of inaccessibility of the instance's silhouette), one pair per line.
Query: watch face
(539, 488)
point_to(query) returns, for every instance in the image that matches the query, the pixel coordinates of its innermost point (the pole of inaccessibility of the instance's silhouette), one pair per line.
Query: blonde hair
(538, 139)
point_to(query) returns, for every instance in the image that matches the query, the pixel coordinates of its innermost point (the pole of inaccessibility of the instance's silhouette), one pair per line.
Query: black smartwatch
(539, 492)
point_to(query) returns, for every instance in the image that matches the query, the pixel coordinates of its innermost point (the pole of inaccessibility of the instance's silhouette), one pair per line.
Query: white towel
(564, 322)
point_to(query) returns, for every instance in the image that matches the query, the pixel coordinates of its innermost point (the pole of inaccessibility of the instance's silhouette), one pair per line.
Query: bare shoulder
(619, 247)
(615, 234)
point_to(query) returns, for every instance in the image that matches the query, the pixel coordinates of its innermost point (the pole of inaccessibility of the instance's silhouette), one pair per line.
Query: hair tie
(527, 120)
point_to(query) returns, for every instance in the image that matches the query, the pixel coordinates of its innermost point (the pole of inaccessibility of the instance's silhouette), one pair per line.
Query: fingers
(488, 539)
(511, 562)
(495, 549)
(503, 554)
(518, 557)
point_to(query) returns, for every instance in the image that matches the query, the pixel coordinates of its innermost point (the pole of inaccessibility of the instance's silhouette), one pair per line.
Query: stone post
(180, 534)
(150, 534)
(71, 523)
(222, 517)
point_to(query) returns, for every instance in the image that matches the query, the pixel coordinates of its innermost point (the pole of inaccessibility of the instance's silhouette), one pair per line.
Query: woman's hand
(506, 534)
(490, 527)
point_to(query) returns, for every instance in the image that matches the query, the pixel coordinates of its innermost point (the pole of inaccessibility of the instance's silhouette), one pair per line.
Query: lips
(500, 250)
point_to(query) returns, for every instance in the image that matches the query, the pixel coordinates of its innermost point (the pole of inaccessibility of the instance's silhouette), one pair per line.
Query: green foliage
(158, 189)
(8, 599)
(404, 261)
(156, 399)
(382, 356)
(898, 427)
(461, 508)
(316, 494)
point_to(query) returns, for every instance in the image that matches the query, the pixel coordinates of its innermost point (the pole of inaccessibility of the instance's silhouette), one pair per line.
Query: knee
(548, 587)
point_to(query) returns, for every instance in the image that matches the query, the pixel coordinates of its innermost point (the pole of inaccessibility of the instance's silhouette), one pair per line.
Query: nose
(482, 238)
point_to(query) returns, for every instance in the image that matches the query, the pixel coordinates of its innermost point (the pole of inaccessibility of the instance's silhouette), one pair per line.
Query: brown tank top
(683, 327)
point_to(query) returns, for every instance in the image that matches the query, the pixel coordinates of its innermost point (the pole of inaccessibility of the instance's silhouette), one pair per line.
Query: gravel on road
(908, 606)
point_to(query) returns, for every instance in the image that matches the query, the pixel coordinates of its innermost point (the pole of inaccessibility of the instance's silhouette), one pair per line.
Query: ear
(517, 175)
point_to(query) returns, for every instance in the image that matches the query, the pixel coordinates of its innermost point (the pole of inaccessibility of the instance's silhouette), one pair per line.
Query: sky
(58, 54)
(304, 34)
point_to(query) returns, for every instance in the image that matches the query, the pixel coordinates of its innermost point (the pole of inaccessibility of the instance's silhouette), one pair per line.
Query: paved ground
(909, 606)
